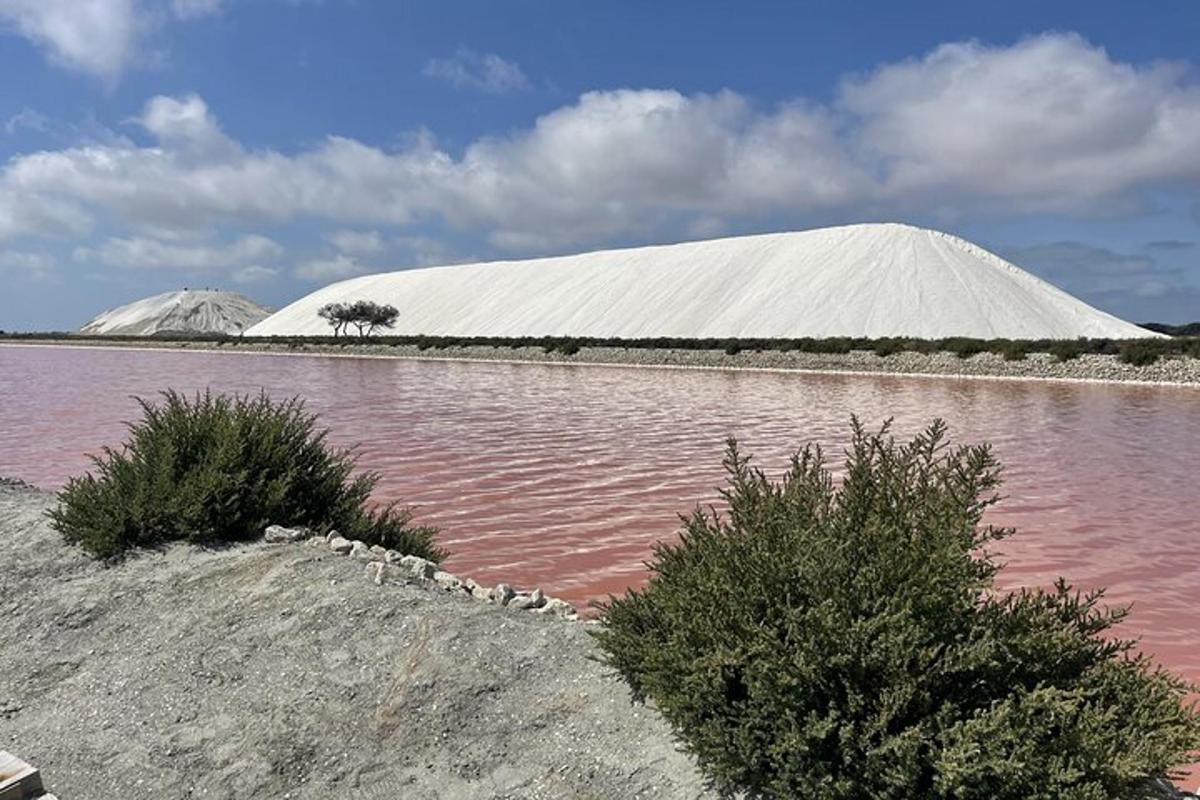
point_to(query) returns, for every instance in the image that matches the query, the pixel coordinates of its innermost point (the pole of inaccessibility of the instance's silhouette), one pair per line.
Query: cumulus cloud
(329, 269)
(28, 266)
(485, 72)
(96, 36)
(1096, 271)
(255, 273)
(1051, 123)
(190, 9)
(145, 253)
(28, 119)
(99, 37)
(359, 243)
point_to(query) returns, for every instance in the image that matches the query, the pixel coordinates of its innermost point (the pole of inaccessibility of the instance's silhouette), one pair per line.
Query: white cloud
(255, 273)
(1097, 271)
(485, 72)
(358, 243)
(328, 269)
(96, 36)
(99, 37)
(30, 266)
(184, 126)
(1050, 123)
(145, 253)
(423, 251)
(29, 119)
(191, 9)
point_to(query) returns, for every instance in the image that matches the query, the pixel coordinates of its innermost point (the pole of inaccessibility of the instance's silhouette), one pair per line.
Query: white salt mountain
(186, 311)
(856, 280)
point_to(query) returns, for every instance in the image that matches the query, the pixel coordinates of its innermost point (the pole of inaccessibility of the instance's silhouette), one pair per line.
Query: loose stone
(381, 573)
(502, 593)
(559, 608)
(360, 551)
(277, 534)
(418, 567)
(339, 545)
(447, 581)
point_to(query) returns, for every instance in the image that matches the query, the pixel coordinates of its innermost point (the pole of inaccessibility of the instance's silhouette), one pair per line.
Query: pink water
(564, 476)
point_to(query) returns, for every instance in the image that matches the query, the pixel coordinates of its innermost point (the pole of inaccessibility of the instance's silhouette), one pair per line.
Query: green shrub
(1141, 352)
(827, 642)
(889, 347)
(1012, 351)
(1066, 349)
(218, 469)
(964, 347)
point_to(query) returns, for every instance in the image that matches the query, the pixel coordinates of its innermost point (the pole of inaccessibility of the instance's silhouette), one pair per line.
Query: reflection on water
(563, 476)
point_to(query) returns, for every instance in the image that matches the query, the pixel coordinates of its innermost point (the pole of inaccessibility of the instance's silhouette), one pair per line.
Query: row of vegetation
(1139, 352)
(819, 638)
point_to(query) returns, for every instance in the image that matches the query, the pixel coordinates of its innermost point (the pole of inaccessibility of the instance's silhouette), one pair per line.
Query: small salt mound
(856, 280)
(187, 311)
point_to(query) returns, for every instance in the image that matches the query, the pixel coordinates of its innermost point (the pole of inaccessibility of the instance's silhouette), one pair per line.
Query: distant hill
(186, 311)
(1187, 329)
(856, 280)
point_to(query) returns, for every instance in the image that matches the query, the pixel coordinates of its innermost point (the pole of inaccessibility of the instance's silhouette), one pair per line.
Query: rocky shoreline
(391, 566)
(1170, 370)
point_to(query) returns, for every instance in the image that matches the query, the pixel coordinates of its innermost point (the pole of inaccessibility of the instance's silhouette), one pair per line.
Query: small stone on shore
(277, 534)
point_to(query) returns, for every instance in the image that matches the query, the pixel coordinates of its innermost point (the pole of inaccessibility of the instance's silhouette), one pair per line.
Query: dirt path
(280, 671)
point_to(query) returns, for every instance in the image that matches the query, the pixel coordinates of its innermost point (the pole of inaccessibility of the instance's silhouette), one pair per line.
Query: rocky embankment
(1044, 366)
(304, 669)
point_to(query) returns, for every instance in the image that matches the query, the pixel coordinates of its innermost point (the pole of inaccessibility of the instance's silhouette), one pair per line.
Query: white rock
(418, 567)
(360, 551)
(277, 534)
(502, 593)
(447, 581)
(381, 573)
(392, 556)
(559, 608)
(340, 545)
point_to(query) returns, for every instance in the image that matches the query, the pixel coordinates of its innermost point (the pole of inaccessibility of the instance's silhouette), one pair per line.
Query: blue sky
(273, 146)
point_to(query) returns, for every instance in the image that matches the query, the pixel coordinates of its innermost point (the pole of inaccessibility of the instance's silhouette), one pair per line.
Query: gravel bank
(1170, 370)
(283, 671)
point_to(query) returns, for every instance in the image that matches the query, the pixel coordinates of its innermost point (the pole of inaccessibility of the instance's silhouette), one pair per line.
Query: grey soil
(282, 671)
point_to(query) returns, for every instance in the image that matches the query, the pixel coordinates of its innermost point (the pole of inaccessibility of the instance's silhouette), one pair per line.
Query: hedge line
(1139, 352)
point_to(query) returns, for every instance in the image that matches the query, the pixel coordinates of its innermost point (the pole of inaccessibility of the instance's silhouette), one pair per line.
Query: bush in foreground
(819, 641)
(219, 469)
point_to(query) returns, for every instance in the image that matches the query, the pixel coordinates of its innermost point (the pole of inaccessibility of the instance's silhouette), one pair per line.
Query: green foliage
(889, 347)
(963, 347)
(219, 469)
(1141, 352)
(1012, 351)
(837, 643)
(1067, 349)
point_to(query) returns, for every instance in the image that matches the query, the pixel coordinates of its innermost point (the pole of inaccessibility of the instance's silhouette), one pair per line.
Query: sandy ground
(281, 671)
